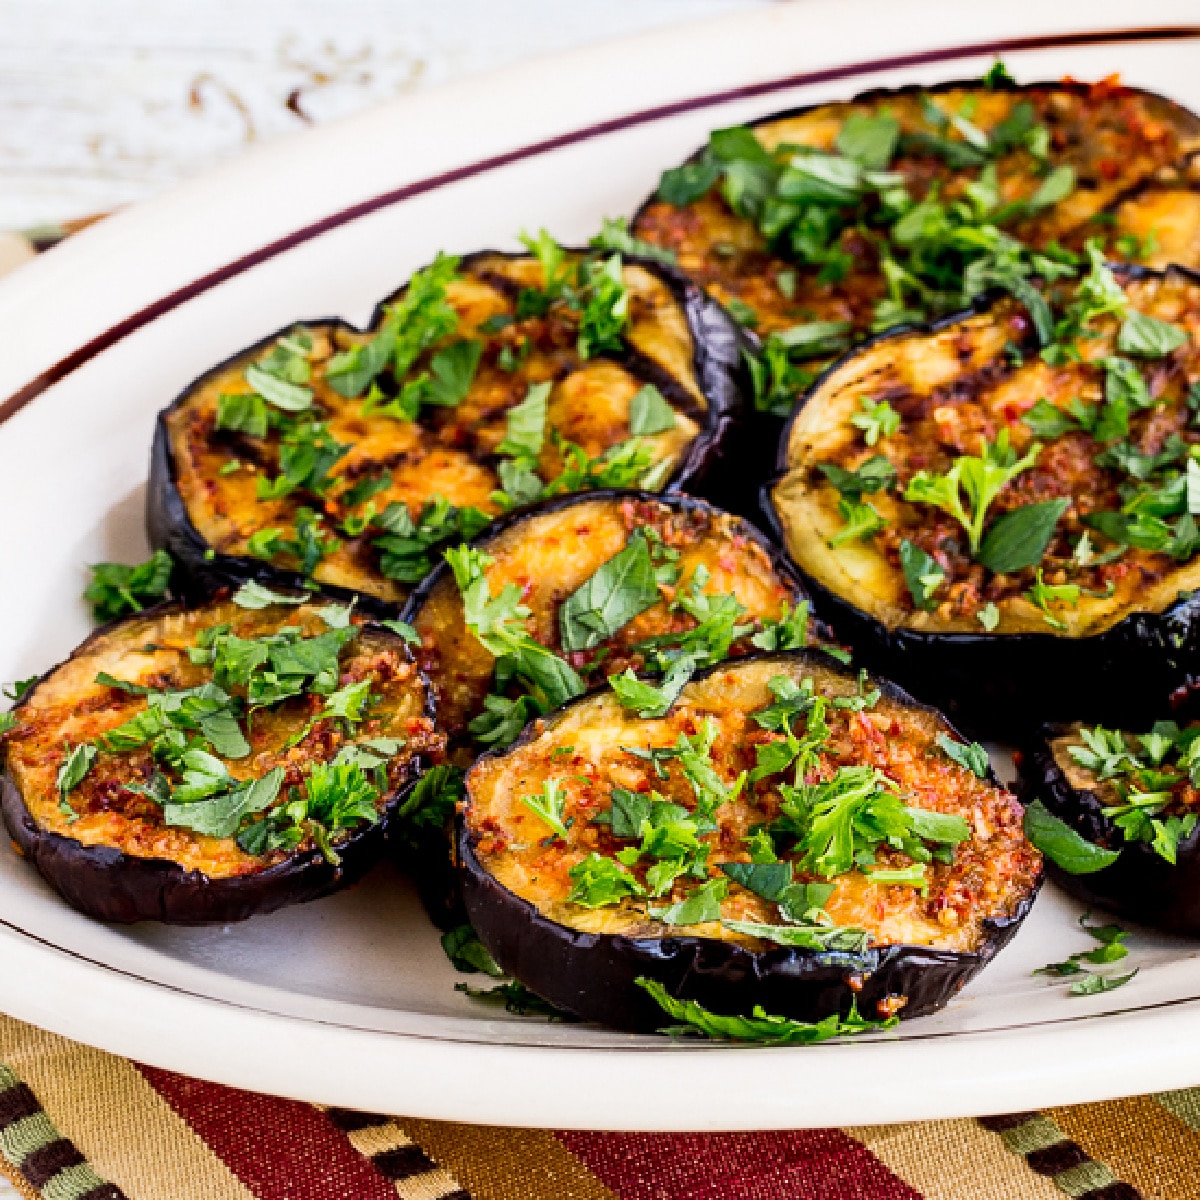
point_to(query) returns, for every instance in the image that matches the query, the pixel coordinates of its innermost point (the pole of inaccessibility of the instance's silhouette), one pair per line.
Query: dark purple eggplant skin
(1140, 884)
(110, 885)
(593, 975)
(428, 858)
(1004, 685)
(706, 466)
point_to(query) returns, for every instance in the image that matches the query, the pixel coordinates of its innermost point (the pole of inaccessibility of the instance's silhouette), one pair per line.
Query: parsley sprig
(694, 1019)
(1152, 774)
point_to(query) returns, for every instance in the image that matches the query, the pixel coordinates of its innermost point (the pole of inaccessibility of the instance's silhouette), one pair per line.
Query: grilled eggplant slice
(752, 825)
(329, 455)
(612, 582)
(1006, 532)
(820, 225)
(1132, 794)
(206, 764)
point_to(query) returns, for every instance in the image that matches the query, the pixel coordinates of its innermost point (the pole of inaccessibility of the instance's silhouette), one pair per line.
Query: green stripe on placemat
(1184, 1104)
(47, 1161)
(1049, 1152)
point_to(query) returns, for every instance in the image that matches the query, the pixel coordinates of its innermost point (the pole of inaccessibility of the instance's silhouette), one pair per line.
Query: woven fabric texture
(78, 1124)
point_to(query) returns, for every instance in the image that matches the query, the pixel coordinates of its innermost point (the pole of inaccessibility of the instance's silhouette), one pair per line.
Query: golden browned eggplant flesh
(778, 796)
(223, 739)
(350, 458)
(965, 480)
(842, 219)
(606, 584)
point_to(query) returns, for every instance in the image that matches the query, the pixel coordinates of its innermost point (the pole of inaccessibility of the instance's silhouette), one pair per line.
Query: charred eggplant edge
(1140, 884)
(110, 885)
(982, 678)
(716, 361)
(592, 975)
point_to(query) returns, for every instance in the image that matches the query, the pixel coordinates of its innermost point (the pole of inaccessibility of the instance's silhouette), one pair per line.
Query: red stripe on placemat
(817, 1164)
(280, 1149)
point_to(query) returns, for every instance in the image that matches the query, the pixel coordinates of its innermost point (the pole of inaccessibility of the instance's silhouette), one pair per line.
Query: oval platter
(350, 1001)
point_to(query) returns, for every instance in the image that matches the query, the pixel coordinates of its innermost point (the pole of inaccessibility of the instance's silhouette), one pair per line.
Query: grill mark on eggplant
(201, 571)
(508, 287)
(987, 680)
(643, 367)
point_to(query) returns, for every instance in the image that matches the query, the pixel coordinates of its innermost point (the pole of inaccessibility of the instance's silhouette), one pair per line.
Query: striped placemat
(79, 1124)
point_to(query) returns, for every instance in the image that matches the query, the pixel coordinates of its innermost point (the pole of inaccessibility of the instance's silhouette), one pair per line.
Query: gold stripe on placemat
(1141, 1141)
(495, 1163)
(116, 1119)
(396, 1156)
(954, 1160)
(17, 1180)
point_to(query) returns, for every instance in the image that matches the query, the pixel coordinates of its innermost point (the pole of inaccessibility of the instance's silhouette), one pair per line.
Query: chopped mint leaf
(254, 595)
(704, 904)
(621, 589)
(649, 412)
(1018, 538)
(967, 754)
(921, 573)
(614, 235)
(1062, 844)
(1148, 337)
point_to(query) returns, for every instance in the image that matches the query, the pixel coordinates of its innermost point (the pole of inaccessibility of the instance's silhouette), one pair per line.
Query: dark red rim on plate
(135, 321)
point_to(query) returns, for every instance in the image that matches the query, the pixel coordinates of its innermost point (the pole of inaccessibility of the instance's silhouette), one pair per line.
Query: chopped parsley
(468, 954)
(967, 490)
(117, 589)
(1151, 774)
(598, 881)
(499, 624)
(693, 1019)
(1111, 948)
(547, 805)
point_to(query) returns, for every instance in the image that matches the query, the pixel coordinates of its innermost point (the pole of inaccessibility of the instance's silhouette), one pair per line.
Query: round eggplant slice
(1010, 537)
(348, 458)
(611, 581)
(1129, 794)
(765, 220)
(752, 825)
(206, 764)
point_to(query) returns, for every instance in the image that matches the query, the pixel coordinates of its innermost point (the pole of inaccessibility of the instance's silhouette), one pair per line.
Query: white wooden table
(103, 102)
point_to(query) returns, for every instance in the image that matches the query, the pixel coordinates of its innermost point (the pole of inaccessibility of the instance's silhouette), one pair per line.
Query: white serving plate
(350, 1001)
